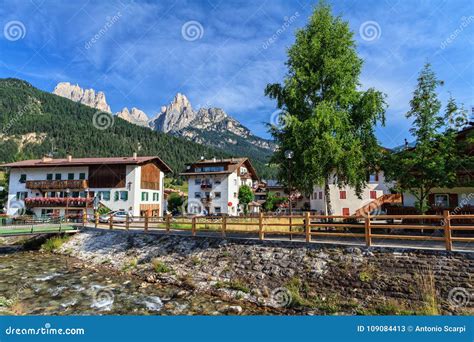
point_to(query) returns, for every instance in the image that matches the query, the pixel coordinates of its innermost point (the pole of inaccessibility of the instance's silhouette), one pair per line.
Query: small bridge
(10, 227)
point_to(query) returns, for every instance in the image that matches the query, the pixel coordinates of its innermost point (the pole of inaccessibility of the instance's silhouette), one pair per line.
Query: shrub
(159, 266)
(54, 243)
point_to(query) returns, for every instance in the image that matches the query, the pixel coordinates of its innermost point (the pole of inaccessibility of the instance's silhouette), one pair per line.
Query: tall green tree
(245, 197)
(328, 122)
(436, 157)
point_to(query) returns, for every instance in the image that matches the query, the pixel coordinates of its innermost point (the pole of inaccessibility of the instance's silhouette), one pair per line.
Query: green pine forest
(61, 126)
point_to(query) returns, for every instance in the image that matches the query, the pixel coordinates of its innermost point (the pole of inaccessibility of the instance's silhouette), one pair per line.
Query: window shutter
(453, 200)
(431, 199)
(376, 176)
(345, 211)
(116, 195)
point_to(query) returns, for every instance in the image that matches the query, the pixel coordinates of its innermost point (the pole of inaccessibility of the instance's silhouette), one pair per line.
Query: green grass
(160, 267)
(23, 230)
(54, 243)
(236, 285)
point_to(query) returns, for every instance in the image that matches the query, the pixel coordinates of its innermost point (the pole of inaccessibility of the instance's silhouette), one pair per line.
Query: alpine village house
(213, 185)
(69, 186)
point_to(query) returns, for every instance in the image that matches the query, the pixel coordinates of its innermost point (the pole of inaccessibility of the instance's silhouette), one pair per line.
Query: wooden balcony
(58, 202)
(57, 184)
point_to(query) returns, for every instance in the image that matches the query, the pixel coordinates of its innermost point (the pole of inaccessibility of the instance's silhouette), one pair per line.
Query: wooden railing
(369, 230)
(57, 184)
(378, 202)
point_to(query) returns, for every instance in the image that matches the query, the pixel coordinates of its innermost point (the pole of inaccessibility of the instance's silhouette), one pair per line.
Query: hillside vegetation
(35, 123)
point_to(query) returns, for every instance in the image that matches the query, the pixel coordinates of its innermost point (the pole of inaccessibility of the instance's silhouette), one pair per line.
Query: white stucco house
(56, 187)
(344, 201)
(213, 185)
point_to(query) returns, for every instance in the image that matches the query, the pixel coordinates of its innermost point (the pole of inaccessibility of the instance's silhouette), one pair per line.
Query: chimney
(134, 155)
(213, 159)
(202, 157)
(69, 158)
(46, 159)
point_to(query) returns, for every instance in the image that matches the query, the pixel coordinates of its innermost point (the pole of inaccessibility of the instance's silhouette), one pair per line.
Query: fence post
(261, 234)
(307, 227)
(96, 219)
(111, 222)
(224, 225)
(84, 217)
(368, 233)
(127, 222)
(146, 222)
(193, 226)
(168, 219)
(447, 230)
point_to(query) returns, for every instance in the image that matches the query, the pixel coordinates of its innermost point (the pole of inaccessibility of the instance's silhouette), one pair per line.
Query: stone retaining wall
(295, 277)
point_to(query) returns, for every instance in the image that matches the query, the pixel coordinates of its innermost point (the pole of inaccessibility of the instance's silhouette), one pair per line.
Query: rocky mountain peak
(177, 115)
(135, 116)
(88, 97)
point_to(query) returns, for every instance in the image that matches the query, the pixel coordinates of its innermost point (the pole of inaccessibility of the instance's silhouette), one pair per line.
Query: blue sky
(140, 53)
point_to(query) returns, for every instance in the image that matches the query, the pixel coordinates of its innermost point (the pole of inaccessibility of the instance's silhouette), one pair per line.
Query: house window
(197, 195)
(217, 210)
(144, 196)
(345, 211)
(441, 200)
(342, 194)
(373, 194)
(21, 195)
(70, 176)
(49, 176)
(277, 194)
(217, 182)
(235, 181)
(156, 196)
(320, 195)
(235, 195)
(104, 195)
(57, 176)
(122, 195)
(75, 194)
(197, 181)
(23, 178)
(82, 175)
(217, 194)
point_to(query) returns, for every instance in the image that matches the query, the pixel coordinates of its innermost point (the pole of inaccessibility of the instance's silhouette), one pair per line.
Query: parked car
(117, 216)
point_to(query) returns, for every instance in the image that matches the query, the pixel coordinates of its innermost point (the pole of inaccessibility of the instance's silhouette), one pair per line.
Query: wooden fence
(444, 228)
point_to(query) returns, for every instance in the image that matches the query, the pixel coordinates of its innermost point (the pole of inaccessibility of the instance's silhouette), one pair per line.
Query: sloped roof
(88, 161)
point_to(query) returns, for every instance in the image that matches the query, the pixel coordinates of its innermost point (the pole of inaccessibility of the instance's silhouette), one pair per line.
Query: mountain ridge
(36, 123)
(211, 127)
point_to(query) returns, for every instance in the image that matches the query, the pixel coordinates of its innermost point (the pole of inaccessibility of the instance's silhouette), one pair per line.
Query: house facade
(213, 185)
(344, 201)
(461, 196)
(56, 187)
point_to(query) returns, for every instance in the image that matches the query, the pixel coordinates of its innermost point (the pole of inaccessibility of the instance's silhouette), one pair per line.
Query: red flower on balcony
(57, 202)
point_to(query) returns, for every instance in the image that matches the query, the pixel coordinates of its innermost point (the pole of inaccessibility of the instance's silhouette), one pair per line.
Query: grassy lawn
(26, 230)
(183, 187)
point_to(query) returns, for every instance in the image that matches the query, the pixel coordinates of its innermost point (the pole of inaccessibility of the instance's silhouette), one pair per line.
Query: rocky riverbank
(290, 278)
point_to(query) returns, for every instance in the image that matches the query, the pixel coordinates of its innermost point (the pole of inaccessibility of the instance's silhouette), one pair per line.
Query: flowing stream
(34, 283)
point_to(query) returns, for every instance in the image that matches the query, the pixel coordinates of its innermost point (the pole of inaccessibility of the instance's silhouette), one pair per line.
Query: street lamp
(289, 156)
